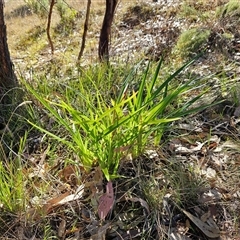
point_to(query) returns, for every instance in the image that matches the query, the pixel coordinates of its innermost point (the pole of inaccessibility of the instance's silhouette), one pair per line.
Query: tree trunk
(8, 79)
(49, 25)
(85, 30)
(10, 95)
(103, 49)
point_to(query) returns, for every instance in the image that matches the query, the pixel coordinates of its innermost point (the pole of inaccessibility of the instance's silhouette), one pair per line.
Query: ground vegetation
(145, 146)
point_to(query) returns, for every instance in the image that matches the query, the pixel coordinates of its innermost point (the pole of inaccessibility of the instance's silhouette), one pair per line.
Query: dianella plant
(104, 132)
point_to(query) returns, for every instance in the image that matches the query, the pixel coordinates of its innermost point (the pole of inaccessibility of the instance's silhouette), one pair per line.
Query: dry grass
(150, 178)
(28, 42)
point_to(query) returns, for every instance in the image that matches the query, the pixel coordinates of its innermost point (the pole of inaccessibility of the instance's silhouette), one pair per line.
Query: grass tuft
(191, 42)
(103, 132)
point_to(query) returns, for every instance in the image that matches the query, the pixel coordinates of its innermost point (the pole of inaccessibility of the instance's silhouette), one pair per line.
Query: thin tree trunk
(103, 49)
(85, 30)
(49, 25)
(8, 79)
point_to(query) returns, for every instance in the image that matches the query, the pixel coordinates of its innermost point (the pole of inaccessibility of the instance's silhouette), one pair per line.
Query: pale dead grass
(20, 28)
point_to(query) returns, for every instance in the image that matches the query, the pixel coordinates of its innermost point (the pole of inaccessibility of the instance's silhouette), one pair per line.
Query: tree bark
(8, 79)
(103, 49)
(85, 30)
(49, 25)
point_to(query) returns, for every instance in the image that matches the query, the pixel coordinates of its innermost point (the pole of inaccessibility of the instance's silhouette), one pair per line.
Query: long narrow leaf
(155, 76)
(169, 79)
(140, 94)
(126, 82)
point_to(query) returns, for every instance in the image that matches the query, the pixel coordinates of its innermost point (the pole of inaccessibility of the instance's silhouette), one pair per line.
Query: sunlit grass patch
(12, 197)
(191, 42)
(230, 9)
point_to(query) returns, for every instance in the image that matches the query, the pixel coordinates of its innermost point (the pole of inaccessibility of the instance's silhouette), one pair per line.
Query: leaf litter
(127, 208)
(205, 150)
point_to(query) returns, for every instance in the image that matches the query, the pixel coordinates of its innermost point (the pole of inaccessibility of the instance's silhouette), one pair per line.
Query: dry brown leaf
(198, 146)
(35, 213)
(63, 198)
(95, 187)
(56, 200)
(69, 174)
(62, 228)
(106, 201)
(78, 194)
(209, 230)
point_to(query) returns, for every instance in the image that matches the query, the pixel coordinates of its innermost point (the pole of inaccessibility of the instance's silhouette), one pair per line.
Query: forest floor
(188, 187)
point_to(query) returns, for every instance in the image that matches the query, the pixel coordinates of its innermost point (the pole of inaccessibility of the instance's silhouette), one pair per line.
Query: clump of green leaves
(11, 184)
(189, 12)
(68, 16)
(230, 9)
(12, 180)
(104, 132)
(39, 7)
(191, 42)
(194, 11)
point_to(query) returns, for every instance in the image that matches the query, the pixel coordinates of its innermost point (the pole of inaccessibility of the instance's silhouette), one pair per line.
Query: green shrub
(191, 42)
(189, 12)
(68, 17)
(39, 7)
(230, 9)
(194, 12)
